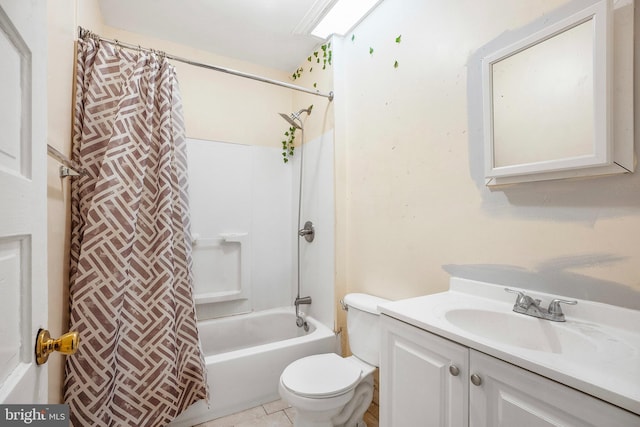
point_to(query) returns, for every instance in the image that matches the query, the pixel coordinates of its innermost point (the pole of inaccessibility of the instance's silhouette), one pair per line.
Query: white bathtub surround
(247, 191)
(244, 192)
(318, 206)
(245, 356)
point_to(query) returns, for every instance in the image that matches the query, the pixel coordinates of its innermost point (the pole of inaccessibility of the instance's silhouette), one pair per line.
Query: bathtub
(245, 356)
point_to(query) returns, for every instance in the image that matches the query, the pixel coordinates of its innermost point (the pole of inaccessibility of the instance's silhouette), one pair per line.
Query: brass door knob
(45, 345)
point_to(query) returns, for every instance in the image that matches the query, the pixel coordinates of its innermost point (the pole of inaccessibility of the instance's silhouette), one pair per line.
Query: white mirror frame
(600, 14)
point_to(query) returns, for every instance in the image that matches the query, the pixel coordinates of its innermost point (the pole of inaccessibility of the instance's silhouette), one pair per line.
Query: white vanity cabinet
(423, 378)
(511, 396)
(427, 380)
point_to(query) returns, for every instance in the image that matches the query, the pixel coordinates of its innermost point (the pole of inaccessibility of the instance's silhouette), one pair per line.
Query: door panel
(417, 387)
(15, 87)
(10, 266)
(510, 396)
(23, 286)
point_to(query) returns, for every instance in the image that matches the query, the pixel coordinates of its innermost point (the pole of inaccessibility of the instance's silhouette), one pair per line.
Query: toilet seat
(321, 376)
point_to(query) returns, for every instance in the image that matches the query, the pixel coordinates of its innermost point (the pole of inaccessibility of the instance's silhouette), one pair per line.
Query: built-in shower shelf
(201, 241)
(222, 268)
(207, 298)
(223, 238)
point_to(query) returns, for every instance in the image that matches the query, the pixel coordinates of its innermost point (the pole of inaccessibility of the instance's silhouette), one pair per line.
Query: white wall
(414, 204)
(219, 106)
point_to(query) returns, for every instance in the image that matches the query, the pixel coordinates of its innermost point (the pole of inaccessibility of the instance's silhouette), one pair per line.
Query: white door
(23, 222)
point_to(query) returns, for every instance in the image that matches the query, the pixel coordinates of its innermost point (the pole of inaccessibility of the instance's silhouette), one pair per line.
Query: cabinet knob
(475, 379)
(454, 370)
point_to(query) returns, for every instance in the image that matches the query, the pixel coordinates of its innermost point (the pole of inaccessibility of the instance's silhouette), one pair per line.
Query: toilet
(327, 390)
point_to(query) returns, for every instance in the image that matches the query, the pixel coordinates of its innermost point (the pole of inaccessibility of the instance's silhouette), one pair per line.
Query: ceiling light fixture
(343, 16)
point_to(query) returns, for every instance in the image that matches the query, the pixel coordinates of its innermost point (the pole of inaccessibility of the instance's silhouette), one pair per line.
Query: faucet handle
(521, 295)
(555, 309)
(524, 301)
(515, 291)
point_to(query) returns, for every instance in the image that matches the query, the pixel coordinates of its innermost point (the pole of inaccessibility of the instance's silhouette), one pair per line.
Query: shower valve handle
(308, 232)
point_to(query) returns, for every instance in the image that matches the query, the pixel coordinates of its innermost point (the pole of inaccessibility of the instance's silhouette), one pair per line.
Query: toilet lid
(321, 375)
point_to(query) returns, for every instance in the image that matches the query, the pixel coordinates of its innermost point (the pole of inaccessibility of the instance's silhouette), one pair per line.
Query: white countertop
(604, 362)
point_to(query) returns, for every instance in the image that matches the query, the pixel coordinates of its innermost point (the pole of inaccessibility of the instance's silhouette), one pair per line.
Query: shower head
(291, 118)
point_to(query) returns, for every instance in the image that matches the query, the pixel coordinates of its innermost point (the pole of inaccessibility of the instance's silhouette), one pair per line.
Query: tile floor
(274, 414)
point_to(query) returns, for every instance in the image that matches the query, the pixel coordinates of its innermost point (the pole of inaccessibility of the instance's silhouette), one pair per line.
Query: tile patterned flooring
(274, 414)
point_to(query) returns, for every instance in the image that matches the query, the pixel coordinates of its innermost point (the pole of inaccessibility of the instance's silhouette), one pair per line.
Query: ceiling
(265, 32)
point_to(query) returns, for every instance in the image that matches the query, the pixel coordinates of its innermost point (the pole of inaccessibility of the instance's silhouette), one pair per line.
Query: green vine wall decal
(397, 39)
(324, 56)
(287, 144)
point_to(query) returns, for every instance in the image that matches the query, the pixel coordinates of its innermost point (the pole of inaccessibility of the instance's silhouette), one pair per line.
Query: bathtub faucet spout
(300, 321)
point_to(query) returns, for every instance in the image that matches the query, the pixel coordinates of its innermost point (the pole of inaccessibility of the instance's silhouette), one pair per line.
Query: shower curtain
(139, 362)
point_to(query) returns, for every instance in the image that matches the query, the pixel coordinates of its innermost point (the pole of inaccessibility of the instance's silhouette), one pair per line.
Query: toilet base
(349, 414)
(353, 412)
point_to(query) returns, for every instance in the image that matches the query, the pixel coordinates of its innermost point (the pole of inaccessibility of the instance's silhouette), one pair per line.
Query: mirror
(547, 98)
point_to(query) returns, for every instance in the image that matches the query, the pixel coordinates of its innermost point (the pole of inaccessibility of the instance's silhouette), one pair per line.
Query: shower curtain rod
(82, 33)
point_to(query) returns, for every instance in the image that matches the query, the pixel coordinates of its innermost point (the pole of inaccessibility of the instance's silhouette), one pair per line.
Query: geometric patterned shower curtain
(140, 361)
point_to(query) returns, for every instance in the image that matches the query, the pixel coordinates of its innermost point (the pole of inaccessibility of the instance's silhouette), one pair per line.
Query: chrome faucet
(302, 300)
(300, 320)
(531, 307)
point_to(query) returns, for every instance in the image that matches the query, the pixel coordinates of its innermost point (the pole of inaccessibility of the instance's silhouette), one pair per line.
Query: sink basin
(522, 331)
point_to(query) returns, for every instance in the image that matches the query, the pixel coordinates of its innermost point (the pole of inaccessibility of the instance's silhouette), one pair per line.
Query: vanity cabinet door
(509, 396)
(424, 379)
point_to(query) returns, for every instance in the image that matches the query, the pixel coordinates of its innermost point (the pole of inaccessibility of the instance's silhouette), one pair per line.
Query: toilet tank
(363, 326)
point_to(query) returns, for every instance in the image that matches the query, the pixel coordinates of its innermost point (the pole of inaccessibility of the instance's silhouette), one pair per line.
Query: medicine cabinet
(550, 107)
